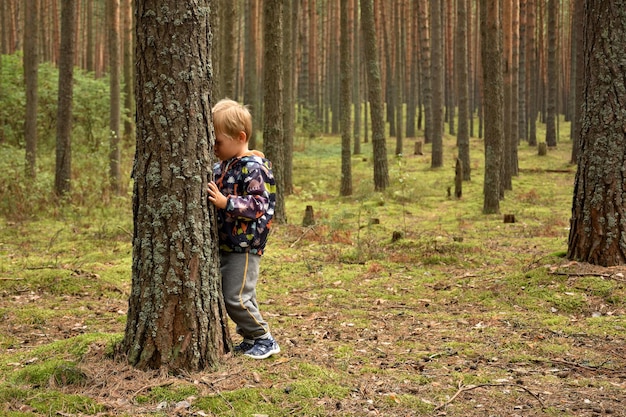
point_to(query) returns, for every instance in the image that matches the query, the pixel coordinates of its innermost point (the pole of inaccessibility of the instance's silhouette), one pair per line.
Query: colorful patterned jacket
(249, 184)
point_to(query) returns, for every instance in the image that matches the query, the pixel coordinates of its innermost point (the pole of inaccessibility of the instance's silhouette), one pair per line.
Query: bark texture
(176, 318)
(493, 103)
(598, 223)
(375, 96)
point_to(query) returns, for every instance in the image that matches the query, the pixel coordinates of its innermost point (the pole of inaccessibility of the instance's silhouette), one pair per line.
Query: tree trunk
(437, 83)
(176, 317)
(462, 77)
(578, 80)
(552, 74)
(63, 168)
(381, 171)
(507, 48)
(598, 230)
(346, 109)
(493, 102)
(427, 92)
(114, 90)
(31, 63)
(534, 71)
(250, 85)
(400, 64)
(356, 78)
(129, 82)
(273, 99)
(289, 21)
(522, 119)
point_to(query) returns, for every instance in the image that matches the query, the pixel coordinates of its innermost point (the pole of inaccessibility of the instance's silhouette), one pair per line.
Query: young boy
(244, 193)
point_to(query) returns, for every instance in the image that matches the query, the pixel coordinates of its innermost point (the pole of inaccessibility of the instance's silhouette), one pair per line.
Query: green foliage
(90, 105)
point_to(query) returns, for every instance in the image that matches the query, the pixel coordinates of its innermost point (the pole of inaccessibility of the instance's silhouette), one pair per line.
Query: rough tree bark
(598, 223)
(374, 86)
(490, 33)
(176, 318)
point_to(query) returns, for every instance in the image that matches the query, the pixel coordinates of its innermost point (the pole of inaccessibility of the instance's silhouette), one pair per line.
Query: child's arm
(254, 201)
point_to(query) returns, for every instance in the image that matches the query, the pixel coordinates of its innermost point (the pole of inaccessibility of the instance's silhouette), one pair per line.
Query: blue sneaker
(243, 346)
(263, 348)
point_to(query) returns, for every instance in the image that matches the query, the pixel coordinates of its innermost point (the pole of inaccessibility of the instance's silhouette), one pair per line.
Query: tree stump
(509, 218)
(308, 219)
(418, 148)
(396, 235)
(542, 149)
(458, 179)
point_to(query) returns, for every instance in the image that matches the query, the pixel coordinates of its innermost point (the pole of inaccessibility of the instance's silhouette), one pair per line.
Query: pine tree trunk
(437, 83)
(273, 99)
(381, 171)
(598, 231)
(427, 92)
(63, 168)
(462, 77)
(114, 90)
(346, 109)
(552, 74)
(493, 103)
(176, 317)
(31, 63)
(289, 27)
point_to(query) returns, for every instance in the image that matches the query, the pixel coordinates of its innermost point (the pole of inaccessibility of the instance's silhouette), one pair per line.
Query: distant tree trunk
(579, 61)
(31, 64)
(462, 76)
(381, 171)
(448, 43)
(427, 92)
(514, 139)
(176, 317)
(216, 23)
(437, 82)
(493, 102)
(114, 85)
(598, 230)
(250, 85)
(63, 168)
(507, 77)
(412, 97)
(129, 82)
(288, 96)
(90, 45)
(522, 119)
(346, 109)
(534, 72)
(228, 37)
(356, 78)
(552, 74)
(273, 98)
(399, 25)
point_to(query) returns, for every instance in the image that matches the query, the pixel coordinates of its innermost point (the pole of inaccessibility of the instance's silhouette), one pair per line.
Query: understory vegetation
(401, 303)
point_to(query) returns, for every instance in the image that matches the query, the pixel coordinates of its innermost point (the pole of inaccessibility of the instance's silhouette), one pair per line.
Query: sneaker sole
(266, 355)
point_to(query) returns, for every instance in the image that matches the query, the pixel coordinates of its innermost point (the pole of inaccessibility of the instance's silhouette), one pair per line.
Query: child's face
(227, 147)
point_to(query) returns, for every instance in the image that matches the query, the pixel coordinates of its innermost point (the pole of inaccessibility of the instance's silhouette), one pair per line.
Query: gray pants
(240, 272)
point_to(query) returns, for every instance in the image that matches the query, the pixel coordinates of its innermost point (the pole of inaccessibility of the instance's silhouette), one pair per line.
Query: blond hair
(230, 118)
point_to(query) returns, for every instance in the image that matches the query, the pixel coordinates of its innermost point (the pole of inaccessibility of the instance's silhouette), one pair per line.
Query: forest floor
(402, 303)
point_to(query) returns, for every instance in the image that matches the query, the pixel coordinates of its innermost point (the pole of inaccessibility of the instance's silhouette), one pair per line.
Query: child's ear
(242, 136)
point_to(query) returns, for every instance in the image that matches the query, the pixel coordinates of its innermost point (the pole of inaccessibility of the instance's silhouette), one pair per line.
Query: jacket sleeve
(254, 200)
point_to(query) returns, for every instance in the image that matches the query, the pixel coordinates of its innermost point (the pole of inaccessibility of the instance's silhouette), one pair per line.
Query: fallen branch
(465, 388)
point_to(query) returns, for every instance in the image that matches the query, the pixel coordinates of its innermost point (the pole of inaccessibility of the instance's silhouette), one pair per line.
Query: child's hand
(218, 199)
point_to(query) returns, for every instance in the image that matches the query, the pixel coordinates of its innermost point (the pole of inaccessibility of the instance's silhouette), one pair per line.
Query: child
(244, 193)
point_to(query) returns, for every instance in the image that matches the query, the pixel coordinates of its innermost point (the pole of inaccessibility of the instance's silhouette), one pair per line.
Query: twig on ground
(307, 230)
(465, 388)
